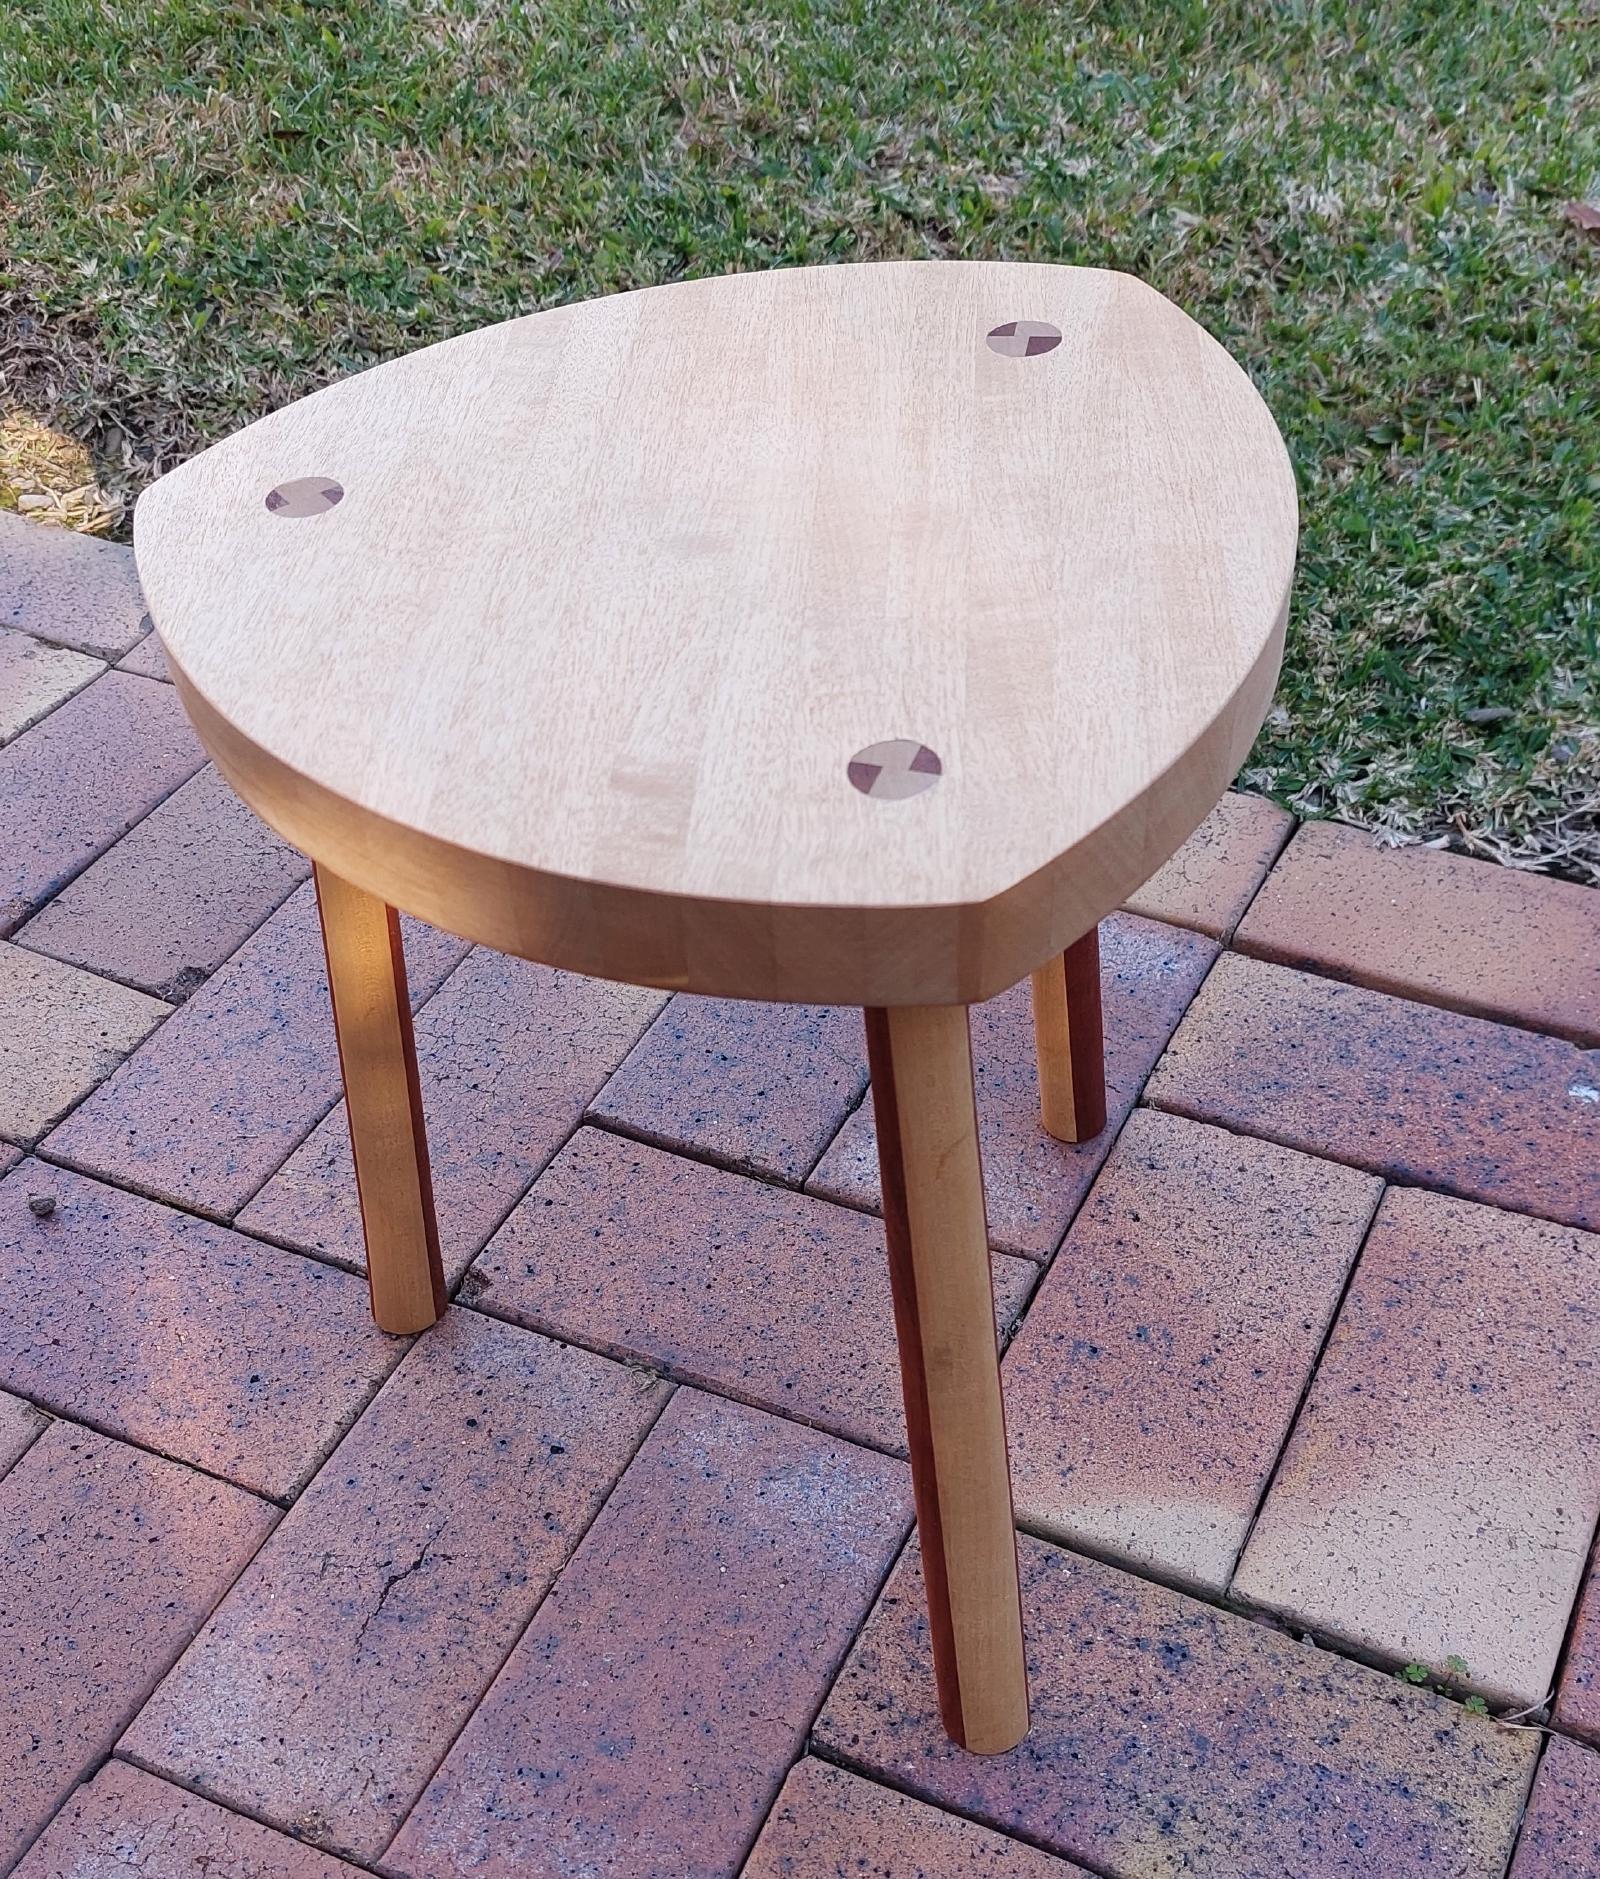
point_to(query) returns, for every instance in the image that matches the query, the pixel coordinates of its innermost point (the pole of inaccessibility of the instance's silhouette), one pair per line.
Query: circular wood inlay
(1024, 339)
(896, 768)
(305, 495)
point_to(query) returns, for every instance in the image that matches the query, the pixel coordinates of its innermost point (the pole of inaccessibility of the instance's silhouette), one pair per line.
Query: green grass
(216, 205)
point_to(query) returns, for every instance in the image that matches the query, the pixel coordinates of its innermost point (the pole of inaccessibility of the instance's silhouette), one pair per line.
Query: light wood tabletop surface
(853, 635)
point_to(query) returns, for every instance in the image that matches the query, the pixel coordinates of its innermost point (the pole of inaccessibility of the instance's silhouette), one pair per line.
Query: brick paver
(1032, 1182)
(760, 1088)
(183, 1336)
(1162, 1362)
(830, 1824)
(1170, 1737)
(148, 658)
(1210, 881)
(645, 1722)
(109, 1561)
(237, 1077)
(1496, 942)
(62, 1031)
(35, 677)
(1578, 1704)
(176, 896)
(766, 1295)
(68, 587)
(509, 1053)
(1424, 1096)
(80, 778)
(1561, 1834)
(328, 1686)
(20, 1423)
(125, 1822)
(1442, 1483)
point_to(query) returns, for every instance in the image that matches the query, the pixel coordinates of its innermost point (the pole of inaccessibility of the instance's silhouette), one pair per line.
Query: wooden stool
(853, 635)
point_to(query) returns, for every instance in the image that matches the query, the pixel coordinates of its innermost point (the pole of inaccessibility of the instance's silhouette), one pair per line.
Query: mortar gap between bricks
(1382, 1171)
(53, 1158)
(9, 928)
(34, 1147)
(1369, 1657)
(944, 1804)
(1523, 1811)
(1591, 1564)
(807, 1746)
(707, 1157)
(555, 1579)
(1305, 1389)
(821, 1155)
(75, 1419)
(671, 1373)
(18, 938)
(47, 1416)
(174, 1779)
(1296, 823)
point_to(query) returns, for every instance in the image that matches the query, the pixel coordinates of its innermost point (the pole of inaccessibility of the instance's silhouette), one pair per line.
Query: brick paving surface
(1561, 1835)
(174, 898)
(1473, 1341)
(607, 1573)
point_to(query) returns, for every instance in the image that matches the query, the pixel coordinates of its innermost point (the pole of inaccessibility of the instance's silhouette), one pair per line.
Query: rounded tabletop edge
(801, 953)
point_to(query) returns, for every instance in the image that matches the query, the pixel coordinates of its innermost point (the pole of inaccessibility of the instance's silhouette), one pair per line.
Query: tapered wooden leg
(372, 1015)
(1071, 1045)
(921, 1058)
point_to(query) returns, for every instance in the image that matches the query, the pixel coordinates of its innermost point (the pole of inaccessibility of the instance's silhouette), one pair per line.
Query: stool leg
(1070, 1043)
(372, 1017)
(921, 1058)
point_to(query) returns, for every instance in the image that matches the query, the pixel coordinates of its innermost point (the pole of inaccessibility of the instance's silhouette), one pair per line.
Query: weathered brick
(749, 1289)
(761, 1088)
(125, 1822)
(175, 896)
(1437, 1497)
(1561, 1833)
(68, 587)
(186, 1337)
(239, 1075)
(509, 1053)
(82, 777)
(109, 1561)
(1034, 1183)
(1495, 942)
(36, 677)
(62, 1031)
(830, 1824)
(1154, 1382)
(647, 1718)
(328, 1686)
(1171, 1737)
(1423, 1096)
(1212, 878)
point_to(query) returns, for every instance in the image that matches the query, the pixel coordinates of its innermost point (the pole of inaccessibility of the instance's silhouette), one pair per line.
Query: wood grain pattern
(577, 663)
(921, 1062)
(383, 1097)
(1069, 1040)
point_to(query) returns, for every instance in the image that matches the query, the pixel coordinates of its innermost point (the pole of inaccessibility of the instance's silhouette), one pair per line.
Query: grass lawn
(215, 205)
